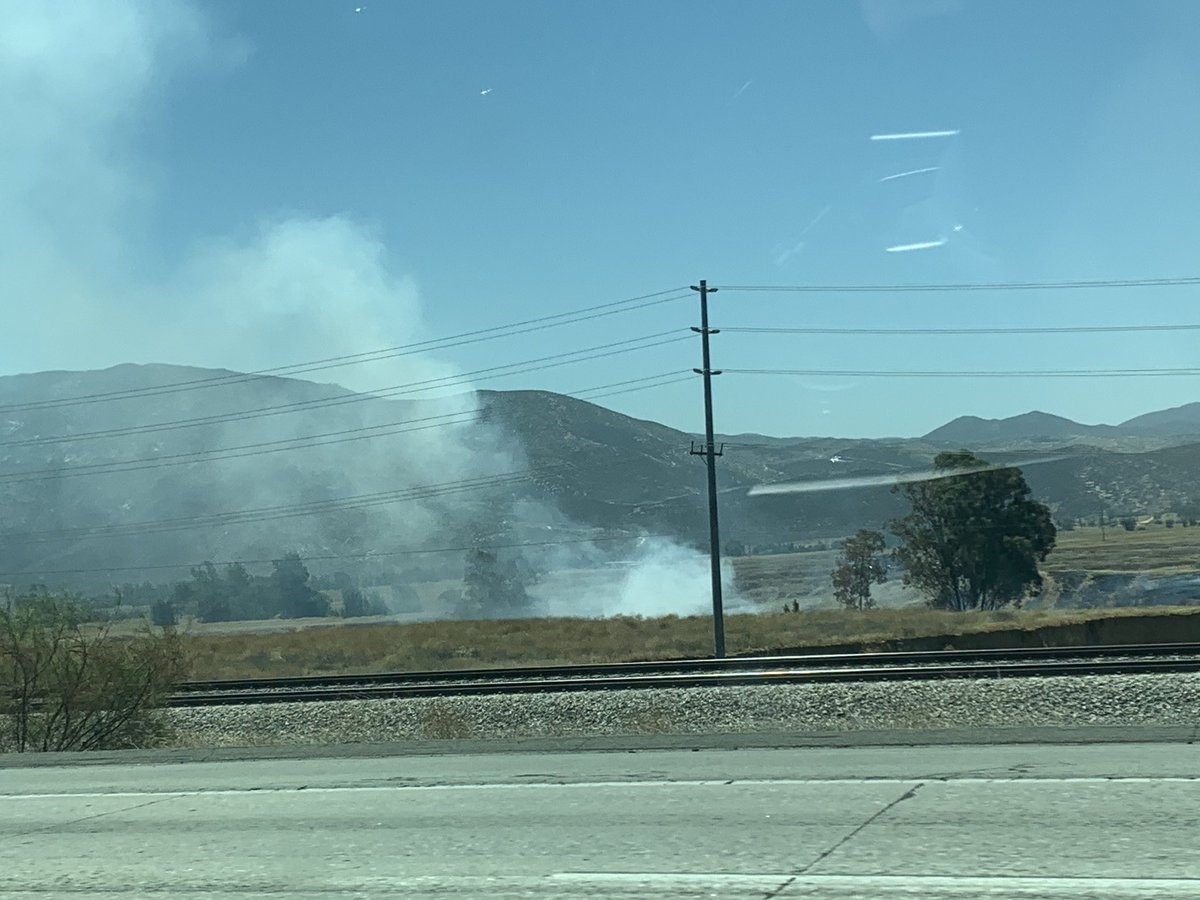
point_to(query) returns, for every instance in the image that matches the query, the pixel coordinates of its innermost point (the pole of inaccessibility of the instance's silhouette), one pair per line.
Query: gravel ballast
(1094, 700)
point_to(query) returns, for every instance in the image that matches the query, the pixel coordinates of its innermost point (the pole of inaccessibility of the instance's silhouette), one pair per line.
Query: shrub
(67, 685)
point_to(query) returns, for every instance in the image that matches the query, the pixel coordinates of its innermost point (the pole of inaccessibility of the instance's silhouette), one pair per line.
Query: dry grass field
(250, 649)
(1155, 549)
(489, 644)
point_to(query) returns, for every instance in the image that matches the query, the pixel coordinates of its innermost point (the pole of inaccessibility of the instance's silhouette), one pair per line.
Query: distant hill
(1177, 420)
(1152, 430)
(106, 476)
(1027, 426)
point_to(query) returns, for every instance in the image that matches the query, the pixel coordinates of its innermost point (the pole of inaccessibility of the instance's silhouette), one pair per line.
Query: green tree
(354, 604)
(858, 568)
(249, 597)
(163, 612)
(973, 540)
(289, 583)
(493, 587)
(209, 592)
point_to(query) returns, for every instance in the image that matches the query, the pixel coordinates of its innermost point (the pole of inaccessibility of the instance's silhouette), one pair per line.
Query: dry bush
(68, 685)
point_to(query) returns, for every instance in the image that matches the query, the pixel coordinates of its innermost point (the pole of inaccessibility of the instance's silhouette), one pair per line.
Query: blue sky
(257, 183)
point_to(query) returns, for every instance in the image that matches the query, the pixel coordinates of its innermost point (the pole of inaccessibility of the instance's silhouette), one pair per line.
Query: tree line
(972, 541)
(493, 585)
(233, 594)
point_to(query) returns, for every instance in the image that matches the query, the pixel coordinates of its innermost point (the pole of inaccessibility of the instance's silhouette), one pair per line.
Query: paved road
(1101, 821)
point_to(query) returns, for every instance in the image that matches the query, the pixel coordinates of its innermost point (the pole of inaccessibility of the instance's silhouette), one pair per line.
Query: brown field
(398, 643)
(1155, 549)
(489, 644)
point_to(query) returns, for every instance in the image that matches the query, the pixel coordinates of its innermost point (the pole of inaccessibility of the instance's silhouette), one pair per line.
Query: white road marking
(542, 785)
(925, 886)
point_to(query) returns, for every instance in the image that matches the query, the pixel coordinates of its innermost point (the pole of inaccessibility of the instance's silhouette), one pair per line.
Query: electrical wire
(579, 394)
(138, 464)
(1180, 281)
(330, 505)
(364, 556)
(273, 513)
(678, 380)
(264, 447)
(468, 337)
(600, 351)
(1030, 373)
(1066, 329)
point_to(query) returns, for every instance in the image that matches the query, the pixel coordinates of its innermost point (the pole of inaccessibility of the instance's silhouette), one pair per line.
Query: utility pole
(710, 452)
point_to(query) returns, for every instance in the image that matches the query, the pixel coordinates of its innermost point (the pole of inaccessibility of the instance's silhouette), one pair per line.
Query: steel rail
(697, 664)
(699, 673)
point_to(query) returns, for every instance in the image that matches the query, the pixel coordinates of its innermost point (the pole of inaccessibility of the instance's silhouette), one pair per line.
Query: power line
(264, 447)
(138, 464)
(272, 513)
(1030, 373)
(600, 351)
(1066, 329)
(366, 555)
(687, 377)
(578, 395)
(468, 337)
(1181, 281)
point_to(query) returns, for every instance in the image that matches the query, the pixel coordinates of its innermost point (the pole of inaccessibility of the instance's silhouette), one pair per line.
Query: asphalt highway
(961, 821)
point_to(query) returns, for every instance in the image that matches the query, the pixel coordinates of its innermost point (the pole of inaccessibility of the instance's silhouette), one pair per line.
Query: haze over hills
(106, 475)
(1027, 426)
(1154, 429)
(1177, 420)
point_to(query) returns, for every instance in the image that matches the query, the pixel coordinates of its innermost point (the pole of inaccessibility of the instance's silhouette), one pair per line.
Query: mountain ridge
(373, 482)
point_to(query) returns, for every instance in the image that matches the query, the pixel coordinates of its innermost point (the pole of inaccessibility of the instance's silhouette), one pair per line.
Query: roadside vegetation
(66, 684)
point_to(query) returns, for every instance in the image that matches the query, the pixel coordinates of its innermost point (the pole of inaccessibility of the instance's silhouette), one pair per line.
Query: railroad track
(734, 671)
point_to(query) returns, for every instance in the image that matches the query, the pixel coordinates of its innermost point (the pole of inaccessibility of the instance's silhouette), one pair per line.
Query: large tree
(289, 583)
(493, 587)
(858, 568)
(973, 540)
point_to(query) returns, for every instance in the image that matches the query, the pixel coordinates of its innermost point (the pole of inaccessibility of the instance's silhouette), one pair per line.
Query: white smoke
(667, 579)
(78, 202)
(78, 205)
(658, 577)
